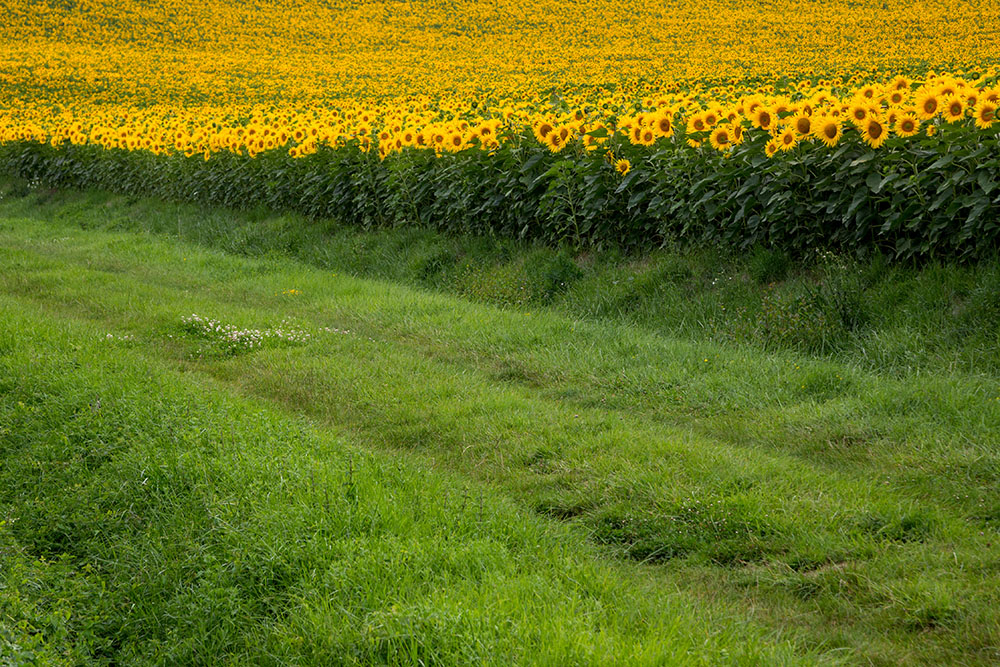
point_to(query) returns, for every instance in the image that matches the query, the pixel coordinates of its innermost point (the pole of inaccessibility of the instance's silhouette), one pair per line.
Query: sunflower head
(868, 92)
(772, 147)
(542, 130)
(900, 83)
(555, 142)
(985, 114)
(763, 118)
(927, 104)
(953, 109)
(858, 113)
(664, 125)
(787, 139)
(802, 124)
(897, 97)
(907, 125)
(828, 130)
(721, 138)
(623, 166)
(873, 132)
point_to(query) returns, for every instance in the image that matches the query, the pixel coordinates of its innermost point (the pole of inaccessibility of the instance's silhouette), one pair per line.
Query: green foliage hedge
(913, 198)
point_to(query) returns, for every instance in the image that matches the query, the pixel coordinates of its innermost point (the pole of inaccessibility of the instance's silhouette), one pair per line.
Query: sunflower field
(858, 126)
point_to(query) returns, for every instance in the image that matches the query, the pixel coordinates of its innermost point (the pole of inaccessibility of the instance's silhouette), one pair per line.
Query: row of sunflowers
(872, 113)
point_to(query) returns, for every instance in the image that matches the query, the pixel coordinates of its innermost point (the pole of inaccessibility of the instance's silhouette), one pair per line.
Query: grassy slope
(853, 507)
(886, 318)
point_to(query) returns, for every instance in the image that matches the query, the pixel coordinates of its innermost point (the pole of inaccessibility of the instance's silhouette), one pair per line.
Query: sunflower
(787, 139)
(623, 166)
(664, 125)
(455, 141)
(897, 98)
(985, 114)
(763, 118)
(859, 112)
(946, 89)
(900, 83)
(927, 104)
(721, 138)
(802, 124)
(737, 133)
(554, 142)
(907, 125)
(873, 132)
(542, 130)
(828, 130)
(771, 147)
(697, 124)
(953, 109)
(869, 92)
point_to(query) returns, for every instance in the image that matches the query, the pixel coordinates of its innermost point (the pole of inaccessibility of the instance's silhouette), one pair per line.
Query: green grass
(840, 497)
(151, 516)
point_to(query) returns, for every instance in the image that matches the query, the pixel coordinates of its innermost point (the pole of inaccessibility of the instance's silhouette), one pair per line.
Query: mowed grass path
(854, 514)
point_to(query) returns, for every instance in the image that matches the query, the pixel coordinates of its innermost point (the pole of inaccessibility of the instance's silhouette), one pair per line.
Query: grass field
(352, 469)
